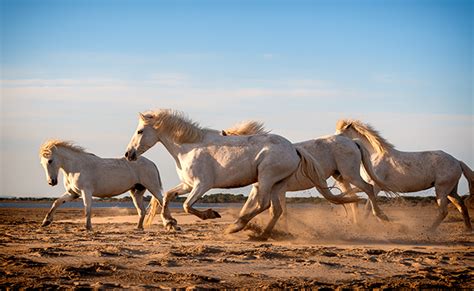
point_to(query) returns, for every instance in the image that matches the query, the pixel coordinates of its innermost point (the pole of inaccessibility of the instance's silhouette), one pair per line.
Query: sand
(324, 250)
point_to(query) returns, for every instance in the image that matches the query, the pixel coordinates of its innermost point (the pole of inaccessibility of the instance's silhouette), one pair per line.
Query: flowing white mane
(176, 124)
(246, 128)
(48, 146)
(380, 144)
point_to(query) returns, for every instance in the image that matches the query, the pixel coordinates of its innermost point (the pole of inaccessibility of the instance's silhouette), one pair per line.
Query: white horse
(205, 159)
(413, 171)
(339, 157)
(87, 175)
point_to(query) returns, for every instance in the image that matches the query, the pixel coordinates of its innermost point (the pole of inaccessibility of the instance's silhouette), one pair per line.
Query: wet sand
(324, 250)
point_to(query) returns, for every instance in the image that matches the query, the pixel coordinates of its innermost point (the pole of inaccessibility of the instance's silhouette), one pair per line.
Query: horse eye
(140, 131)
(50, 161)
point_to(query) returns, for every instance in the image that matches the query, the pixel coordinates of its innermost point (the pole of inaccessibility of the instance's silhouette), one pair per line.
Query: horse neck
(174, 148)
(71, 161)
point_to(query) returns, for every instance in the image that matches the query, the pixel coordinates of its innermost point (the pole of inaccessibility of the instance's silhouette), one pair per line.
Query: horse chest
(73, 188)
(72, 183)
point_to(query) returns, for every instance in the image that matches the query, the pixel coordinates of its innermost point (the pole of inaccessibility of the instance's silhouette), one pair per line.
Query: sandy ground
(325, 250)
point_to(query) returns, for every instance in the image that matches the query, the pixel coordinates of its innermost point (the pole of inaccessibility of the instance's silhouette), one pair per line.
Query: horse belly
(235, 178)
(412, 182)
(235, 175)
(112, 182)
(299, 183)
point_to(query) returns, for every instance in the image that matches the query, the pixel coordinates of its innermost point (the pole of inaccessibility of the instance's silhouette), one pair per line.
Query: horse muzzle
(131, 155)
(53, 182)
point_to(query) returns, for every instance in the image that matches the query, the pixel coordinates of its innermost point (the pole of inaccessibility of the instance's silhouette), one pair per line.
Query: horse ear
(348, 125)
(223, 133)
(142, 117)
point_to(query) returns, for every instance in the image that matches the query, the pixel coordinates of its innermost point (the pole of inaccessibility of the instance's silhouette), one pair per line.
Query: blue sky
(81, 70)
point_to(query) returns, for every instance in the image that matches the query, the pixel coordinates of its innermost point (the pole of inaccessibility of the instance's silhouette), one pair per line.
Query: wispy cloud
(269, 56)
(165, 86)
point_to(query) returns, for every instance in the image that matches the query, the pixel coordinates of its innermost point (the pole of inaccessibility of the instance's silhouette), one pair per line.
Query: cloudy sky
(81, 70)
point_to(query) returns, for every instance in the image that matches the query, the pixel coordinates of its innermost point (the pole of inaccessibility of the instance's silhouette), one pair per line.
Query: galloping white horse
(413, 171)
(339, 157)
(205, 159)
(87, 175)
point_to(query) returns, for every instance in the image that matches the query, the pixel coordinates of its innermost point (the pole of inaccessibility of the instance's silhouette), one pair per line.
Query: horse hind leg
(256, 203)
(168, 221)
(275, 209)
(284, 215)
(87, 199)
(371, 194)
(442, 200)
(137, 198)
(459, 203)
(346, 188)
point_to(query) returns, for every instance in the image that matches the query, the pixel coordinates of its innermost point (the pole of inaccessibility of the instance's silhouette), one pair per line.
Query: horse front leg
(87, 199)
(58, 202)
(168, 221)
(199, 190)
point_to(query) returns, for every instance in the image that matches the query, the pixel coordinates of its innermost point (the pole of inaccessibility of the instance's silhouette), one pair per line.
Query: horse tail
(367, 163)
(310, 168)
(153, 207)
(469, 174)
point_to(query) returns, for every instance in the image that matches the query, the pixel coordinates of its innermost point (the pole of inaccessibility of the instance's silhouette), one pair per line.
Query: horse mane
(249, 127)
(379, 143)
(181, 128)
(48, 146)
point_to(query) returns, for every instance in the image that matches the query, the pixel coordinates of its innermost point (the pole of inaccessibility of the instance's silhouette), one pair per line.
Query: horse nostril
(126, 154)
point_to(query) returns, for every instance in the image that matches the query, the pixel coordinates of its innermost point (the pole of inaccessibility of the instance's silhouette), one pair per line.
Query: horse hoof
(45, 223)
(172, 226)
(234, 228)
(216, 214)
(211, 214)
